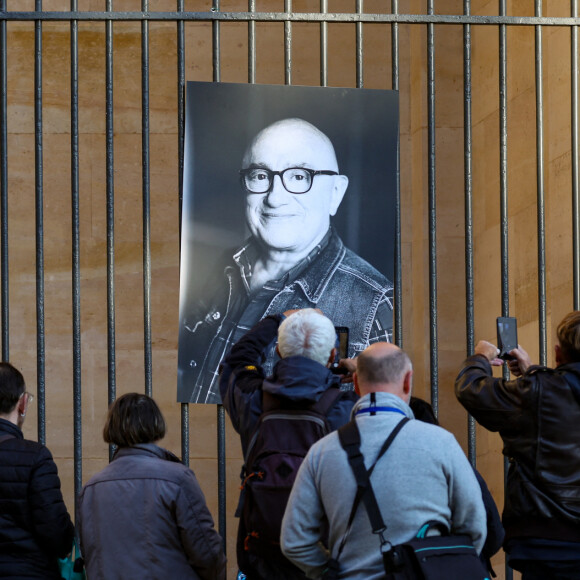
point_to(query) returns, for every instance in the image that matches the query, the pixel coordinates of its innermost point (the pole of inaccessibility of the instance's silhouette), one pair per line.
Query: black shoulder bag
(422, 558)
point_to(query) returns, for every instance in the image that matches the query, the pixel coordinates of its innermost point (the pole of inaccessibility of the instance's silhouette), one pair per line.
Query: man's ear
(278, 351)
(338, 191)
(331, 357)
(558, 354)
(408, 384)
(356, 386)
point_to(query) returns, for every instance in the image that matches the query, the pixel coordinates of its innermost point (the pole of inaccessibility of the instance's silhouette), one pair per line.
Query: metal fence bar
(432, 213)
(38, 160)
(221, 413)
(110, 209)
(76, 268)
(540, 181)
(398, 321)
(574, 119)
(180, 154)
(359, 47)
(323, 46)
(468, 197)
(252, 44)
(146, 203)
(4, 261)
(214, 16)
(503, 194)
(287, 45)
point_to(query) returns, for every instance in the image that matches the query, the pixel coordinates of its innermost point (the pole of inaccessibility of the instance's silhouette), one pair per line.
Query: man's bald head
(294, 130)
(384, 367)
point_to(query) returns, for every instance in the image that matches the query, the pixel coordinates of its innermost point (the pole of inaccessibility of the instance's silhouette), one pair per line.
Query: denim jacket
(345, 287)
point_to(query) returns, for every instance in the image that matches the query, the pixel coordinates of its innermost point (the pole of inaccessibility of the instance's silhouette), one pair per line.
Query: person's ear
(278, 351)
(338, 191)
(408, 384)
(356, 385)
(331, 357)
(559, 356)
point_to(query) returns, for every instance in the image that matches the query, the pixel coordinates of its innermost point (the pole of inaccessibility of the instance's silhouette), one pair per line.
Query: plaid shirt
(344, 286)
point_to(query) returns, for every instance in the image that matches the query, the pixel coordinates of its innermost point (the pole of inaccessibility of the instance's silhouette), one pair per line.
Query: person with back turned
(35, 527)
(537, 415)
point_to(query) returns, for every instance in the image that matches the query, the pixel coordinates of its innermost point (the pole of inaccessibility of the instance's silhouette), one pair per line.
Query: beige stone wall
(451, 327)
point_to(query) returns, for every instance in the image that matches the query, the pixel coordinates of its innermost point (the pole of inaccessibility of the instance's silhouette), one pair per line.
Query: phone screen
(507, 336)
(341, 346)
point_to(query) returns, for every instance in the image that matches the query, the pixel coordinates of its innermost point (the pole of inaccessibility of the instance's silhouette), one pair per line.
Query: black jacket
(35, 527)
(538, 419)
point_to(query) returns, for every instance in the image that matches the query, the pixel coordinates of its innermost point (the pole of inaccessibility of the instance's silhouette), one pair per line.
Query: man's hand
(519, 366)
(489, 351)
(350, 365)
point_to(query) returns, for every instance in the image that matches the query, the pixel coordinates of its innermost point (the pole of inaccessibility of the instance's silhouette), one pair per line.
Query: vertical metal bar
(251, 44)
(432, 213)
(180, 148)
(40, 347)
(4, 187)
(76, 269)
(503, 176)
(110, 205)
(216, 43)
(324, 46)
(398, 321)
(221, 414)
(287, 44)
(540, 186)
(468, 194)
(146, 201)
(575, 196)
(359, 47)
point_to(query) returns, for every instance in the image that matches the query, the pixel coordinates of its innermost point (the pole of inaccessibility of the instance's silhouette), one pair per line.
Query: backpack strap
(349, 436)
(6, 437)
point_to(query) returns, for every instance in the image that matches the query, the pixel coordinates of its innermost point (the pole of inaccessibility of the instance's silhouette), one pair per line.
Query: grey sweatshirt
(423, 476)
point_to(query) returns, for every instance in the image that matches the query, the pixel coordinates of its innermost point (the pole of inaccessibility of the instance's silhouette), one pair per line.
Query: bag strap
(6, 437)
(349, 436)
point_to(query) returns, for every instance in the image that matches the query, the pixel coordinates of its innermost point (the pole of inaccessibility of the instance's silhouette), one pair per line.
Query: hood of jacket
(146, 449)
(300, 379)
(571, 372)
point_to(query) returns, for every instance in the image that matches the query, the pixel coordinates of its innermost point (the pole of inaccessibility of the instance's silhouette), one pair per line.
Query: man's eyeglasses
(294, 179)
(30, 396)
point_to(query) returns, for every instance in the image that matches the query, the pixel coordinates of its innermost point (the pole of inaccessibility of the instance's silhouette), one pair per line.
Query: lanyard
(375, 409)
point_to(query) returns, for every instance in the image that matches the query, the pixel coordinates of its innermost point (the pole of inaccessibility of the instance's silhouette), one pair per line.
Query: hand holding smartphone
(341, 350)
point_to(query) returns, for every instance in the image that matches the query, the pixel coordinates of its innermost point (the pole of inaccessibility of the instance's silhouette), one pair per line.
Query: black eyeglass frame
(313, 173)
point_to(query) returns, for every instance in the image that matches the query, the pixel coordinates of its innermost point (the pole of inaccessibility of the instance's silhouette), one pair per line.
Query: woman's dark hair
(133, 419)
(11, 387)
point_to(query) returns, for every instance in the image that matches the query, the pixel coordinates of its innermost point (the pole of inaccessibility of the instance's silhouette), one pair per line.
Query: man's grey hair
(390, 368)
(307, 333)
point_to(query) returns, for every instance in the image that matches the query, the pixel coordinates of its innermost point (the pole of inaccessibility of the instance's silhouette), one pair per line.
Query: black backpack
(282, 437)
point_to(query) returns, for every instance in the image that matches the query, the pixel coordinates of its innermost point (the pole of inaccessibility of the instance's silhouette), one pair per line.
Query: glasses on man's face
(29, 395)
(294, 179)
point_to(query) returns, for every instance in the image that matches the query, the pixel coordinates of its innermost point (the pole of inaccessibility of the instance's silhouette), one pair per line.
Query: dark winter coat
(35, 527)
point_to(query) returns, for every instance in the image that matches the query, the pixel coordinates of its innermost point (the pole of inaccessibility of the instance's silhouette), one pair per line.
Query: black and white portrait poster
(288, 202)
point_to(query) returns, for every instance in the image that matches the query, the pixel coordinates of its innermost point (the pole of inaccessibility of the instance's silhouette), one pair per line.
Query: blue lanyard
(375, 409)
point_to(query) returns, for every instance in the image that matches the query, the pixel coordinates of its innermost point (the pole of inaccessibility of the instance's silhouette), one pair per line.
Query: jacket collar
(385, 403)
(8, 427)
(146, 449)
(298, 378)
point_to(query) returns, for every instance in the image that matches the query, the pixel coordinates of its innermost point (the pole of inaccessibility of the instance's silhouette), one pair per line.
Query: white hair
(307, 333)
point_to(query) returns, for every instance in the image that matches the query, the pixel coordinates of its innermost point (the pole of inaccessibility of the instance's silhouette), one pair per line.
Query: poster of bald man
(289, 200)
